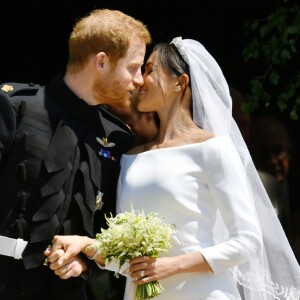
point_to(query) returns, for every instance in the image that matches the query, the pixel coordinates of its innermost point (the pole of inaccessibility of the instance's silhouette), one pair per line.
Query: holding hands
(63, 256)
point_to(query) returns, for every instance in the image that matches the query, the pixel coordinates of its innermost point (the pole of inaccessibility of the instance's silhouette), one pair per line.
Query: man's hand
(63, 256)
(72, 267)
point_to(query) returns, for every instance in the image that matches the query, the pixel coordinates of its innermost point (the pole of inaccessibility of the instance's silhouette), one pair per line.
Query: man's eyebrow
(137, 63)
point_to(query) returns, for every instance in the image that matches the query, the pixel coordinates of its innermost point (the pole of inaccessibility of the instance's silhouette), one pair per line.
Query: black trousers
(41, 283)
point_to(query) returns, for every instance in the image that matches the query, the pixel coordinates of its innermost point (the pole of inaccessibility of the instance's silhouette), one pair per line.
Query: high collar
(76, 107)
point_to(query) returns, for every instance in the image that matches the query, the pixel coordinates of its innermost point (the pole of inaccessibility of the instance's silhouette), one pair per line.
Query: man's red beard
(110, 93)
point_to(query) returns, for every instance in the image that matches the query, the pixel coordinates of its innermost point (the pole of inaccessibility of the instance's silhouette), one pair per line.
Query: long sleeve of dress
(228, 184)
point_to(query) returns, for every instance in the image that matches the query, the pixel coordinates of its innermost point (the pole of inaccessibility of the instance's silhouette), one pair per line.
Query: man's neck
(80, 85)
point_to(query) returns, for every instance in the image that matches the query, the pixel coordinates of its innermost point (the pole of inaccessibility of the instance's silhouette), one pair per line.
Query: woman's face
(158, 86)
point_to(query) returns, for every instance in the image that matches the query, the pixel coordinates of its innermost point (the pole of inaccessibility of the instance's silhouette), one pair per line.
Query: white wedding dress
(191, 186)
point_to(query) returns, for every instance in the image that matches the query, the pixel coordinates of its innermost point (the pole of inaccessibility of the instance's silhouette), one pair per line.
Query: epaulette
(12, 88)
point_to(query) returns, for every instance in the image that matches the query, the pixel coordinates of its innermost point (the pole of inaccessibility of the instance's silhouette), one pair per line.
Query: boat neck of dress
(208, 141)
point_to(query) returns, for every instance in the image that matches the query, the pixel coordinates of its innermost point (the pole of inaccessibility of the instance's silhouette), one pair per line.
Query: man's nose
(138, 78)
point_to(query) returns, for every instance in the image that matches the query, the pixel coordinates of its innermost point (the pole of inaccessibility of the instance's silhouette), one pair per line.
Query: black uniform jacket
(59, 162)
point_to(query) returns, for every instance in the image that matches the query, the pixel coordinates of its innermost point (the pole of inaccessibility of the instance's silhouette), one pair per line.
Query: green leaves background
(274, 42)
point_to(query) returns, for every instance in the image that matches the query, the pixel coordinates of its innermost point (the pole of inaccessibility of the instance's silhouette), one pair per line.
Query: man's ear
(100, 59)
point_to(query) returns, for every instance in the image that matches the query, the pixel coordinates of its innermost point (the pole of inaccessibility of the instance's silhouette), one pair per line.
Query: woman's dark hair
(170, 59)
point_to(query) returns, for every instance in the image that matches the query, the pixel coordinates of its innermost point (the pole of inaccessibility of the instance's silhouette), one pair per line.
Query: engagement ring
(142, 274)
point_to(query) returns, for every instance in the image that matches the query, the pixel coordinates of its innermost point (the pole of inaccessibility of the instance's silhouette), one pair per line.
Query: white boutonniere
(105, 143)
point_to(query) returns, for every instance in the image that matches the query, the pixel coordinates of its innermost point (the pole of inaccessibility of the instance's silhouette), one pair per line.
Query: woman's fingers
(62, 256)
(146, 269)
(62, 271)
(141, 269)
(72, 269)
(141, 259)
(54, 259)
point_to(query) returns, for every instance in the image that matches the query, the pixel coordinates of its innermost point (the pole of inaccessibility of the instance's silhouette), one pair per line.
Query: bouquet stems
(148, 290)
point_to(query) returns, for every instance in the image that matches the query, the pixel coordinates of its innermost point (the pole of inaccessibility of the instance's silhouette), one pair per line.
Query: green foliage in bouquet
(133, 234)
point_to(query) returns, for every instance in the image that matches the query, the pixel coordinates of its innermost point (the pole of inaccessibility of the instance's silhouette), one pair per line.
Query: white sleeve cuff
(114, 266)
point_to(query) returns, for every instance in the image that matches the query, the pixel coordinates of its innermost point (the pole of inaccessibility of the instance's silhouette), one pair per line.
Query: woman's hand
(145, 269)
(72, 267)
(71, 245)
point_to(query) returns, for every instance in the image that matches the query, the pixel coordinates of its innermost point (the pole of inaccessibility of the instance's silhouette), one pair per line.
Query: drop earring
(176, 89)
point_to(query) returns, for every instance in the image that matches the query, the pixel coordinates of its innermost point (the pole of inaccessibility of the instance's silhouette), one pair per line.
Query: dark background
(34, 35)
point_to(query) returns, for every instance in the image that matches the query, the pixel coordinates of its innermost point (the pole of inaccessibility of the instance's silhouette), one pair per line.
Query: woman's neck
(175, 125)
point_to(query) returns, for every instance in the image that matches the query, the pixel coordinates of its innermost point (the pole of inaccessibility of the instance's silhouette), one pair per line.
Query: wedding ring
(142, 274)
(46, 262)
(66, 267)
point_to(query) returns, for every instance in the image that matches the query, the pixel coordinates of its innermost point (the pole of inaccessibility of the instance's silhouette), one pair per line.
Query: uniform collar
(69, 102)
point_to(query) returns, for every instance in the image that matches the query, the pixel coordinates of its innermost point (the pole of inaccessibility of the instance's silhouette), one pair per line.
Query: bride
(198, 175)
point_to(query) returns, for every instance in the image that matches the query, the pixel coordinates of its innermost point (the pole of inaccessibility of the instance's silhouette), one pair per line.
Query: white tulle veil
(275, 273)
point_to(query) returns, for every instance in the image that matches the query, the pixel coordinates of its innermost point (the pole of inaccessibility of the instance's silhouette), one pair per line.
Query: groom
(60, 151)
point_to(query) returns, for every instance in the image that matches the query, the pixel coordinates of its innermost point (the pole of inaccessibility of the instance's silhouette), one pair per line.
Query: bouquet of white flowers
(132, 234)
